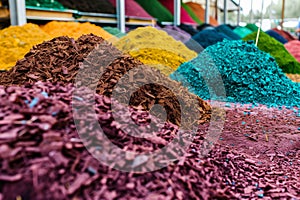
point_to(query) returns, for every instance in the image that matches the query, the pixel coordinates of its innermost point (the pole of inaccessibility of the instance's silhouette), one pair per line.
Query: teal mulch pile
(114, 31)
(270, 45)
(248, 75)
(209, 37)
(252, 27)
(156, 10)
(227, 31)
(242, 31)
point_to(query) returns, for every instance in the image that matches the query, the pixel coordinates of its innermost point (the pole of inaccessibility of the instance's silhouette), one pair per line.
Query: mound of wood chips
(42, 156)
(62, 58)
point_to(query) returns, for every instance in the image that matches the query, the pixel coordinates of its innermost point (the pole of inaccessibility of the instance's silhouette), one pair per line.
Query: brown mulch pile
(54, 60)
(294, 77)
(62, 58)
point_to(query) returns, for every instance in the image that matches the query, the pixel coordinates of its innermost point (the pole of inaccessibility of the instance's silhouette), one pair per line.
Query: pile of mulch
(265, 151)
(242, 31)
(204, 26)
(248, 75)
(141, 86)
(60, 60)
(114, 31)
(252, 27)
(43, 157)
(285, 34)
(54, 60)
(177, 33)
(103, 6)
(294, 77)
(270, 45)
(188, 28)
(277, 36)
(209, 37)
(294, 48)
(228, 31)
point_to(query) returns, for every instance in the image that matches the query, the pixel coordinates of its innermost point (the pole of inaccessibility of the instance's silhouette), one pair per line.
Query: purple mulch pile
(265, 144)
(43, 157)
(176, 33)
